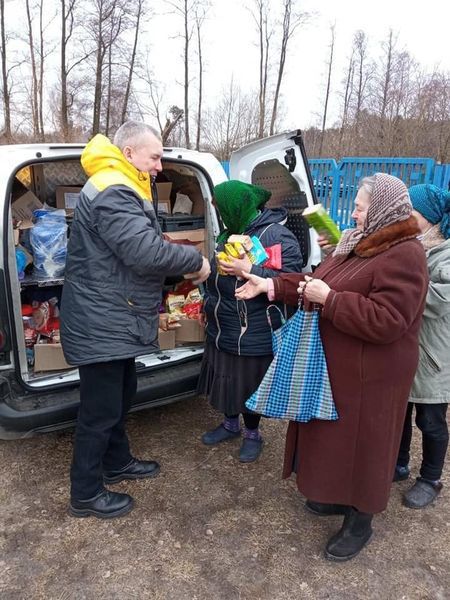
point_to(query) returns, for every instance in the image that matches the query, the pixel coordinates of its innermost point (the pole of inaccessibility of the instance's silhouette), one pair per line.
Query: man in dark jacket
(117, 262)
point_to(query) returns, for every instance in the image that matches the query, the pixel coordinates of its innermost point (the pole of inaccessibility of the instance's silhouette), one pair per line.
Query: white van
(40, 398)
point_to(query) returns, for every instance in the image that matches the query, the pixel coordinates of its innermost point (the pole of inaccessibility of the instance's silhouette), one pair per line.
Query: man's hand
(236, 266)
(165, 323)
(314, 290)
(254, 286)
(202, 275)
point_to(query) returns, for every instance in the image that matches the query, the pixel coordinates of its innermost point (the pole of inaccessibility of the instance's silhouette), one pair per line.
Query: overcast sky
(230, 47)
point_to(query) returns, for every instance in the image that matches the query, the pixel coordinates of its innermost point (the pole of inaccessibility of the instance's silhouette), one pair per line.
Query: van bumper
(58, 410)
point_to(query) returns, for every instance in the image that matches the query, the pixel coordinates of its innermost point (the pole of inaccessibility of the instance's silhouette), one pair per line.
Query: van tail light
(2, 339)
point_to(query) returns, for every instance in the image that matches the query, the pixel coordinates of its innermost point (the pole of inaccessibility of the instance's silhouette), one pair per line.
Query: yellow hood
(105, 165)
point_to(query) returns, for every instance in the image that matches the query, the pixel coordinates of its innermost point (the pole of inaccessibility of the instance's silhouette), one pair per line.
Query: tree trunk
(108, 98)
(63, 74)
(6, 95)
(290, 23)
(34, 78)
(327, 94)
(186, 74)
(347, 98)
(263, 63)
(41, 74)
(98, 74)
(200, 85)
(133, 60)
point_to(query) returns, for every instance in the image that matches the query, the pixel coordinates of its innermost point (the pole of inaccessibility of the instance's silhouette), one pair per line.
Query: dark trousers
(101, 443)
(432, 422)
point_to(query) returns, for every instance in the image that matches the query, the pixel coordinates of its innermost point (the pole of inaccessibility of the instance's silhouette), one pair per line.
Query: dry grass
(206, 528)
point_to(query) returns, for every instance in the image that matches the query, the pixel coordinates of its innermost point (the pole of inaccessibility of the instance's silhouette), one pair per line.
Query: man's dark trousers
(101, 443)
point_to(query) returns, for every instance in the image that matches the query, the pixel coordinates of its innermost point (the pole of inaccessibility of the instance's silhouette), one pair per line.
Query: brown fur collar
(384, 238)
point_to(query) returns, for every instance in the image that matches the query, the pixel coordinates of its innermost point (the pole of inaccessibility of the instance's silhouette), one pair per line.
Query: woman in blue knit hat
(430, 393)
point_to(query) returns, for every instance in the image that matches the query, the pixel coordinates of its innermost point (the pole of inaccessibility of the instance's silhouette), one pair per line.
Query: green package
(321, 221)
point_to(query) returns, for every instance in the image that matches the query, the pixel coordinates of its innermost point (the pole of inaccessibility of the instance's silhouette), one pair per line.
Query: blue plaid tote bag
(296, 385)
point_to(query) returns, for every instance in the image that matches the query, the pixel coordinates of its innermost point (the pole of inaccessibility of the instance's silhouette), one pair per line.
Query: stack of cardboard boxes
(49, 356)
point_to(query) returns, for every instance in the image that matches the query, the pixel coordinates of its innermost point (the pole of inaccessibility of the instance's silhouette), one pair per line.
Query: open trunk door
(279, 164)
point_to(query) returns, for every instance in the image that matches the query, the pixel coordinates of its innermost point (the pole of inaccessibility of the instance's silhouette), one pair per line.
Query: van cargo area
(39, 190)
(43, 199)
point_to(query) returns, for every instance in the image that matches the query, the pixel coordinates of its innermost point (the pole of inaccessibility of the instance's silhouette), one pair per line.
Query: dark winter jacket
(116, 265)
(241, 327)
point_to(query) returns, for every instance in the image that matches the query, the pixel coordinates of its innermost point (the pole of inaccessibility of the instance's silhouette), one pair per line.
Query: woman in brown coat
(372, 291)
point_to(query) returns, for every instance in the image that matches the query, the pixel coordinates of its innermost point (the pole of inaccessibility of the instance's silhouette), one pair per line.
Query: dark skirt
(229, 380)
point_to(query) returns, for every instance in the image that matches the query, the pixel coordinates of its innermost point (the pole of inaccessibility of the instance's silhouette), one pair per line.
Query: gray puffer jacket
(432, 381)
(116, 265)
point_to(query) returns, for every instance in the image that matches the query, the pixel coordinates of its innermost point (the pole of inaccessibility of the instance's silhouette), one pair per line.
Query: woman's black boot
(354, 534)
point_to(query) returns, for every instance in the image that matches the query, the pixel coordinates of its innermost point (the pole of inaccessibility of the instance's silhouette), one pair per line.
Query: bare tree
(105, 25)
(200, 16)
(34, 74)
(360, 48)
(231, 123)
(327, 93)
(187, 10)
(138, 16)
(5, 80)
(41, 70)
(260, 14)
(292, 20)
(347, 99)
(67, 27)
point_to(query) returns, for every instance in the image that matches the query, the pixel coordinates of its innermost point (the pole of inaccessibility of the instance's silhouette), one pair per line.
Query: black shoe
(354, 534)
(250, 450)
(219, 434)
(422, 493)
(105, 505)
(136, 469)
(401, 473)
(326, 510)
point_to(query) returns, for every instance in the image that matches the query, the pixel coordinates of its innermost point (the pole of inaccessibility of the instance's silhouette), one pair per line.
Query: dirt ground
(206, 528)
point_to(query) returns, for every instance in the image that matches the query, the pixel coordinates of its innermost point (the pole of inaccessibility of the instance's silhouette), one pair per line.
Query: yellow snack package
(245, 240)
(174, 303)
(221, 256)
(235, 250)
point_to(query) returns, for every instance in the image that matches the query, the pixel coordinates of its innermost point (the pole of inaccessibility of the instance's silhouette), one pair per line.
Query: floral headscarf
(389, 204)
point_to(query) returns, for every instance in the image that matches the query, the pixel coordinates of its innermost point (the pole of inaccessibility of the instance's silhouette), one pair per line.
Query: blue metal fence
(441, 176)
(336, 183)
(226, 167)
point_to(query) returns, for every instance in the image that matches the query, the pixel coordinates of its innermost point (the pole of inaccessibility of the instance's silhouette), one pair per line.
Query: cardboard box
(22, 209)
(166, 339)
(193, 191)
(194, 237)
(67, 197)
(190, 330)
(164, 208)
(163, 190)
(49, 357)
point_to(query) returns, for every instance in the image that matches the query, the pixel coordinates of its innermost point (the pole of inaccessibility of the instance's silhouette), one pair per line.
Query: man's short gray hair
(132, 133)
(368, 183)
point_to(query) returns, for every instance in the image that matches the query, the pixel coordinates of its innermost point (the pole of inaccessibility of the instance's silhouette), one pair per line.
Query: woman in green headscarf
(238, 337)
